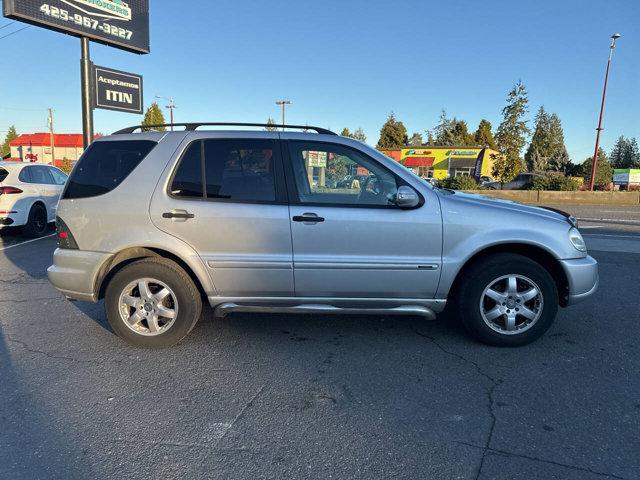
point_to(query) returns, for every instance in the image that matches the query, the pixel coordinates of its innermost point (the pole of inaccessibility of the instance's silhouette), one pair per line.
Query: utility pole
(171, 107)
(51, 138)
(614, 37)
(283, 104)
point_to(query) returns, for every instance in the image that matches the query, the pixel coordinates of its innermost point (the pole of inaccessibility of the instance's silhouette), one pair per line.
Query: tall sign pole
(614, 37)
(283, 104)
(85, 82)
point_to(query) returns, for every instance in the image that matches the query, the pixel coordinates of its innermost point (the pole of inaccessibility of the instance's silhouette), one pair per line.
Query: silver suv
(259, 221)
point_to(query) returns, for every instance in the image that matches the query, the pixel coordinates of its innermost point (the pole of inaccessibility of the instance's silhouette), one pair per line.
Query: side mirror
(407, 197)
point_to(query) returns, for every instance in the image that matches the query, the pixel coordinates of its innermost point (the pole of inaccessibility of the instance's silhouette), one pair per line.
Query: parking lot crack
(240, 414)
(489, 392)
(29, 349)
(508, 454)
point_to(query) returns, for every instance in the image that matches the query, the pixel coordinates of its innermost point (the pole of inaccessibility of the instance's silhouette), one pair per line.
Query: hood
(508, 205)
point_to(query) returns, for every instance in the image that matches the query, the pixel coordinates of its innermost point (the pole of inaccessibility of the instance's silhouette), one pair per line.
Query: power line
(6, 25)
(24, 109)
(9, 34)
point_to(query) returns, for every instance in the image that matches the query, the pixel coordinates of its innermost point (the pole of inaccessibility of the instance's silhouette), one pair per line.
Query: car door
(352, 241)
(43, 182)
(226, 197)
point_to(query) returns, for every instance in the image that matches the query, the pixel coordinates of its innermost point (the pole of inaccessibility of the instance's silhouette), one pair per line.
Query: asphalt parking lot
(268, 396)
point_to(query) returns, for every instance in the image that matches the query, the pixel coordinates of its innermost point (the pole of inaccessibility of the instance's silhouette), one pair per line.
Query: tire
(161, 313)
(486, 293)
(37, 224)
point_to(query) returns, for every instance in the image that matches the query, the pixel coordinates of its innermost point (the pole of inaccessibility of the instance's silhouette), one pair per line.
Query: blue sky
(349, 63)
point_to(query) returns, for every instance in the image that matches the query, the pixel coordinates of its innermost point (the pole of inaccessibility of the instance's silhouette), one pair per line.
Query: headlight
(576, 240)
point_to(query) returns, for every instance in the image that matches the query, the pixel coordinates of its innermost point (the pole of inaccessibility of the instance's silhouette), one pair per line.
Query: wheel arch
(130, 255)
(538, 254)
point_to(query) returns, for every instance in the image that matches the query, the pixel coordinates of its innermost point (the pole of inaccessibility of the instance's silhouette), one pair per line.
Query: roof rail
(191, 126)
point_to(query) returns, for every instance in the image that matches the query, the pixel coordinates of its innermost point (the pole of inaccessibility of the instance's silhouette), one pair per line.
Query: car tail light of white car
(9, 190)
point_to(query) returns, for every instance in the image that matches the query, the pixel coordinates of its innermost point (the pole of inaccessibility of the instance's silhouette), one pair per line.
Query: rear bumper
(74, 273)
(582, 276)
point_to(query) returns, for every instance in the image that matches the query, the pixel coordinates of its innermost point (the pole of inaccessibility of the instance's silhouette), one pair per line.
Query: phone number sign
(117, 23)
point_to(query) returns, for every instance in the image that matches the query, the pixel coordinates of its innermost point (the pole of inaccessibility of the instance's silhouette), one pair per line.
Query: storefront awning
(418, 161)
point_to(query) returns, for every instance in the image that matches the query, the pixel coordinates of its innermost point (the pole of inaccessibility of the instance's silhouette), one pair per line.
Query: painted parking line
(610, 220)
(637, 237)
(26, 241)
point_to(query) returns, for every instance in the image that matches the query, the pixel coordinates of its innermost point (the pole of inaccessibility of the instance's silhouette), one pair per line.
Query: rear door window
(241, 170)
(104, 166)
(40, 175)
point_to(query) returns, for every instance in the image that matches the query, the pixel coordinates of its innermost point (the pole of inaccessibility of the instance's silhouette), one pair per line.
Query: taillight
(65, 238)
(9, 190)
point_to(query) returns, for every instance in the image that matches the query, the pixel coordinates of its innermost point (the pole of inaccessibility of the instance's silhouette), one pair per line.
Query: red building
(36, 148)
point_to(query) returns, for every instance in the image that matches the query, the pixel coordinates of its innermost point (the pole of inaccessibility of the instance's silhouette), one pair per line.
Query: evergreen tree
(154, 116)
(539, 151)
(632, 156)
(558, 155)
(512, 135)
(483, 136)
(5, 150)
(415, 140)
(359, 135)
(271, 125)
(393, 134)
(452, 132)
(604, 171)
(618, 151)
(345, 132)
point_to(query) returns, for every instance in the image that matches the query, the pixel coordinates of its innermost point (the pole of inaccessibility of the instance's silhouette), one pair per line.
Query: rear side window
(3, 174)
(233, 169)
(104, 166)
(25, 175)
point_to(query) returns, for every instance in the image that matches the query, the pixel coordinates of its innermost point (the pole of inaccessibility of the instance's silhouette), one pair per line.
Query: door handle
(181, 214)
(308, 218)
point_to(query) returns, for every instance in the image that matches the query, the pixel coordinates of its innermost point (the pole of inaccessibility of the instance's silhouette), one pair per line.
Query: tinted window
(332, 174)
(233, 169)
(240, 169)
(40, 175)
(3, 174)
(25, 175)
(59, 178)
(104, 166)
(187, 181)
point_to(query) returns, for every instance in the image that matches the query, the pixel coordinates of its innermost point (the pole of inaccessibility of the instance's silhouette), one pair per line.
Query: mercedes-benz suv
(155, 223)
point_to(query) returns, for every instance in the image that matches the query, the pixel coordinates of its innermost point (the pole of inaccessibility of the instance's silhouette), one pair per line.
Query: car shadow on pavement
(50, 449)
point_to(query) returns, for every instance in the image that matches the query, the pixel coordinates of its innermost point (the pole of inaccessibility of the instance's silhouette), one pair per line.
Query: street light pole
(283, 104)
(171, 107)
(614, 37)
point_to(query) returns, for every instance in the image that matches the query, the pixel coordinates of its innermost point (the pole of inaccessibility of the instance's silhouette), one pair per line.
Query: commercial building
(444, 162)
(36, 148)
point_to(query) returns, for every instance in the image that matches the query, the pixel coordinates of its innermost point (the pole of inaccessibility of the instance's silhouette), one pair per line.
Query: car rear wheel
(507, 300)
(152, 303)
(36, 225)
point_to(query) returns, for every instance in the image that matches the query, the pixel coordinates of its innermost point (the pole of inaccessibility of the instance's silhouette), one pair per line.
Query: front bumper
(74, 273)
(582, 276)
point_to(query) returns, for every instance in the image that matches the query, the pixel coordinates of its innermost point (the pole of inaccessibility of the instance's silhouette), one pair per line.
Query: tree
(512, 134)
(393, 134)
(271, 125)
(154, 116)
(66, 166)
(5, 150)
(617, 152)
(558, 155)
(415, 140)
(483, 136)
(452, 132)
(357, 135)
(632, 156)
(539, 151)
(604, 170)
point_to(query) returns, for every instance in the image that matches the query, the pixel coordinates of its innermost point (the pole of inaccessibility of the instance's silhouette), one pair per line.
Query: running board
(226, 308)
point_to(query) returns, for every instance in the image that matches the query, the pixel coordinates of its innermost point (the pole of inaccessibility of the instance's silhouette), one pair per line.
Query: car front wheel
(152, 303)
(507, 300)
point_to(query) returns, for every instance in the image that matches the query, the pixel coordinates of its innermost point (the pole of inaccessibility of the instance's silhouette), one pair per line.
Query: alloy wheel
(148, 307)
(511, 304)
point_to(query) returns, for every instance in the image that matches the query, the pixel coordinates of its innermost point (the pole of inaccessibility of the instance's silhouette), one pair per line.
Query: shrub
(460, 183)
(558, 183)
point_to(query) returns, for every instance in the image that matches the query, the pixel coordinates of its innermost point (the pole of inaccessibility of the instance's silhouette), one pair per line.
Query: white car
(29, 195)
